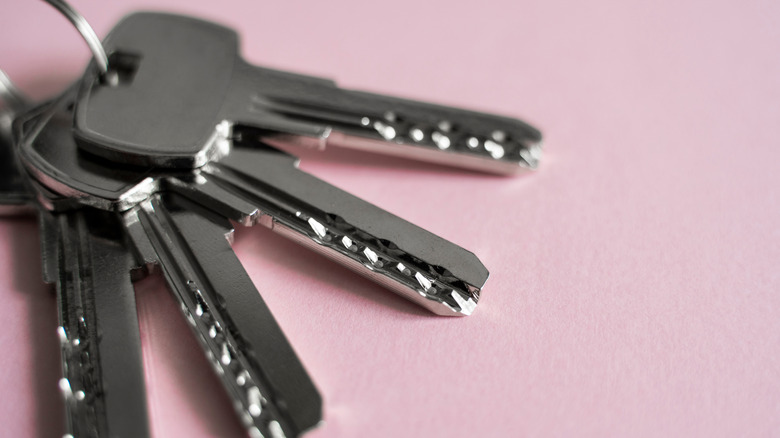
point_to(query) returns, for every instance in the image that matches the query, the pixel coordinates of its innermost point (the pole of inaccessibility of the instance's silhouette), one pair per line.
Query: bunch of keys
(142, 165)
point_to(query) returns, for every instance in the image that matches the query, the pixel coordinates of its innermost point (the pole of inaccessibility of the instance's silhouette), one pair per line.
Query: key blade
(313, 112)
(413, 262)
(103, 379)
(250, 354)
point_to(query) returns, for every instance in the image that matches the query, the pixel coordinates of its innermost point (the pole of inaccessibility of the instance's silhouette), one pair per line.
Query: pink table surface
(634, 283)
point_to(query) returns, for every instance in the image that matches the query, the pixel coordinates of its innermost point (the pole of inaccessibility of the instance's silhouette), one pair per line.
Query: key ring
(89, 35)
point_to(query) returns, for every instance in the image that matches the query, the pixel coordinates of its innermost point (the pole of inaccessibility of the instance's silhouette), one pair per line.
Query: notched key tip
(531, 155)
(456, 303)
(448, 299)
(525, 158)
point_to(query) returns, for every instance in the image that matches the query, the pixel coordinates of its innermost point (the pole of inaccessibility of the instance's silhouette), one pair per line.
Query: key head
(69, 176)
(173, 73)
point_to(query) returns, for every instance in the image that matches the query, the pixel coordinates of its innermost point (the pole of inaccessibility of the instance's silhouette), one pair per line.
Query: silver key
(85, 256)
(180, 78)
(270, 388)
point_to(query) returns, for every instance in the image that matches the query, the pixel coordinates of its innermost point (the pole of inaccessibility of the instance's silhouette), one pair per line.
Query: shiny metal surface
(250, 354)
(103, 380)
(220, 89)
(84, 255)
(15, 196)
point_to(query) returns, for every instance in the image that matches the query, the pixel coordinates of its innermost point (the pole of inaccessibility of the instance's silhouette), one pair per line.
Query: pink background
(634, 283)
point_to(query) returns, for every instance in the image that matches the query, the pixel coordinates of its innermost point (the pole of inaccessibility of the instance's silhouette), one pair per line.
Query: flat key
(272, 392)
(102, 367)
(83, 253)
(180, 78)
(256, 183)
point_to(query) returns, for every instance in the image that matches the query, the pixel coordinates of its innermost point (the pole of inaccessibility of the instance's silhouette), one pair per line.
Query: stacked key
(147, 171)
(83, 252)
(84, 255)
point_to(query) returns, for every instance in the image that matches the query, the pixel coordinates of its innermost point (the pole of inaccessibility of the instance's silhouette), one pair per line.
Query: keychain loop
(86, 32)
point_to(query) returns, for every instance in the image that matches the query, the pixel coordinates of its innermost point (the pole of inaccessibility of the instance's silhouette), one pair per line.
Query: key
(196, 66)
(84, 255)
(273, 394)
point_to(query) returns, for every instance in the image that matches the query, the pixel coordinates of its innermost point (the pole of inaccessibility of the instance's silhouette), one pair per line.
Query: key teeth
(453, 303)
(385, 263)
(253, 408)
(531, 155)
(461, 139)
(445, 142)
(467, 306)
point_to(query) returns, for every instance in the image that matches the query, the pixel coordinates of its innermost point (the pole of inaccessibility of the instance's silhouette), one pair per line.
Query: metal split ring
(86, 32)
